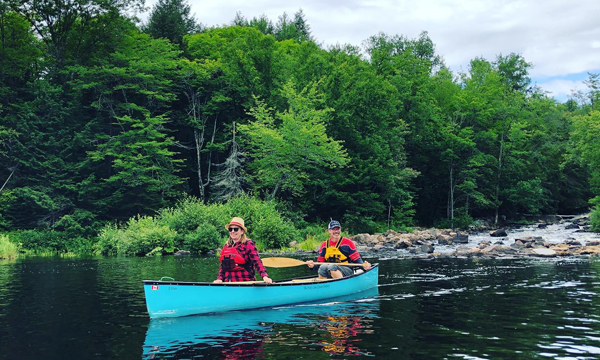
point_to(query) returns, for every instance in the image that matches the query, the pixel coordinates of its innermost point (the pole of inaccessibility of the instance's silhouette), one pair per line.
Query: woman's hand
(218, 281)
(310, 263)
(267, 280)
(366, 265)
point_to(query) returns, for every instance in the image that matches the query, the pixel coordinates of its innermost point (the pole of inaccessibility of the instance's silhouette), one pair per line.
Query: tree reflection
(264, 333)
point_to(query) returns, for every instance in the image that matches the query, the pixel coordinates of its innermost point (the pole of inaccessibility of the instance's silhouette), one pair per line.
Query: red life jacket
(231, 259)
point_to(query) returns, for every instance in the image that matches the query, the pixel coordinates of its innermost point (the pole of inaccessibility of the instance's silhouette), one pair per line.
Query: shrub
(188, 216)
(202, 240)
(265, 224)
(46, 241)
(8, 250)
(595, 218)
(195, 226)
(141, 236)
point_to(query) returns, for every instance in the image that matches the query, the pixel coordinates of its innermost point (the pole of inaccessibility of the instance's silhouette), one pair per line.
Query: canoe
(206, 335)
(176, 298)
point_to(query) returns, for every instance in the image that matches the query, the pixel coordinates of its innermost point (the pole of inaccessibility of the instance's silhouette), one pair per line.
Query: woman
(239, 256)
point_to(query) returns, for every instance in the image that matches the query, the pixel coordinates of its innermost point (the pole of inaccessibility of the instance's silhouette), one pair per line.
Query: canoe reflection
(335, 327)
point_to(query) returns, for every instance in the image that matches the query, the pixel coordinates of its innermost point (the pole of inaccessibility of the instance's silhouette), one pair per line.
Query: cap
(333, 224)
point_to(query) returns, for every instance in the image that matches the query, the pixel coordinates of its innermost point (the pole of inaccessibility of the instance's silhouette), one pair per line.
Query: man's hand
(366, 265)
(310, 263)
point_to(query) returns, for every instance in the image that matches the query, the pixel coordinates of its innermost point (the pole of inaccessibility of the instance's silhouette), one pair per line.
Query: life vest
(231, 259)
(333, 253)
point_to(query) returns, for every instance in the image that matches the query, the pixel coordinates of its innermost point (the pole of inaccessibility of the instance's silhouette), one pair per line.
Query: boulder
(403, 244)
(543, 252)
(589, 250)
(498, 233)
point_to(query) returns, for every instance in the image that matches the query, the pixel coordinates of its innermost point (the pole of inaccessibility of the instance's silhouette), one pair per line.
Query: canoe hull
(173, 299)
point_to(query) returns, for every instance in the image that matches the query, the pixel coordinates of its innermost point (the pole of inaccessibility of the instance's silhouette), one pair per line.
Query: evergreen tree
(230, 181)
(170, 19)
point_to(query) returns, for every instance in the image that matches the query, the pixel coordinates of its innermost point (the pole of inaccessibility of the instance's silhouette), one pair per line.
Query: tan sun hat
(236, 221)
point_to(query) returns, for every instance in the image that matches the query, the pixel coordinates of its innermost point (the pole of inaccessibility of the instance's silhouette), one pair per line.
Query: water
(423, 309)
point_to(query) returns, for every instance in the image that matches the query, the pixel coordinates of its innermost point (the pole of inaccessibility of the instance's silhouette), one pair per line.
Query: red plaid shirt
(250, 253)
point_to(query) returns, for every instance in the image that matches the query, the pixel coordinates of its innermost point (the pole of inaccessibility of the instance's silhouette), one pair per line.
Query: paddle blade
(281, 262)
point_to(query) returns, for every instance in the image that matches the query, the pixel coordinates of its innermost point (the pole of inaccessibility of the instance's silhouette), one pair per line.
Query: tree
(514, 71)
(73, 30)
(586, 146)
(230, 181)
(170, 19)
(133, 169)
(287, 146)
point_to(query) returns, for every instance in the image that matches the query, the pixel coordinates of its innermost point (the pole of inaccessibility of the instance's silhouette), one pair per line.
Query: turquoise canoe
(208, 335)
(175, 298)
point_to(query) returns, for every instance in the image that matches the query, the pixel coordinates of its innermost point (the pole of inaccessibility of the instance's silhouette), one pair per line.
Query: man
(337, 250)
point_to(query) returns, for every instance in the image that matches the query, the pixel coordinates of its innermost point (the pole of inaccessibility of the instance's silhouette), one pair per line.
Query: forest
(106, 120)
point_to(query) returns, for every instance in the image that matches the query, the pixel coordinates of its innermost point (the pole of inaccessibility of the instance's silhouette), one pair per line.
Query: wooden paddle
(281, 262)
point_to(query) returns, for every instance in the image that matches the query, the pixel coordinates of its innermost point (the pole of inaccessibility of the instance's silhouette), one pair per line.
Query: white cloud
(562, 89)
(558, 37)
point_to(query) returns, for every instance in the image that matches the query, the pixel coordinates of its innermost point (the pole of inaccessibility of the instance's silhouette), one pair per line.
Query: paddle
(281, 262)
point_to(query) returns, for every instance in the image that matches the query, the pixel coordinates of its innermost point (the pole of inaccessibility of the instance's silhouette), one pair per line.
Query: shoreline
(564, 238)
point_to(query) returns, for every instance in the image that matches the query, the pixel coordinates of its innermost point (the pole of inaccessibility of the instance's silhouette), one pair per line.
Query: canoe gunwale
(284, 282)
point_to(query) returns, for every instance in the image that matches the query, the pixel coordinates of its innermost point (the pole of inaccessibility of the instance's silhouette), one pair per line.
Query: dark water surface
(423, 309)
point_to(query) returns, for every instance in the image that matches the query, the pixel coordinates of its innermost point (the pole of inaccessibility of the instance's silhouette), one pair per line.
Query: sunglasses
(233, 229)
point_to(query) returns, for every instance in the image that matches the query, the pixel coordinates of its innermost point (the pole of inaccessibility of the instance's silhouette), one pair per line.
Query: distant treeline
(103, 118)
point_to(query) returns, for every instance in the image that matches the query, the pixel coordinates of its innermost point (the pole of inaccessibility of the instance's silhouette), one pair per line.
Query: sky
(560, 38)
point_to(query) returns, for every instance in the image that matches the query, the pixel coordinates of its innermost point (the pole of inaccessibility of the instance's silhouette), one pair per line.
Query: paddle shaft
(343, 264)
(280, 262)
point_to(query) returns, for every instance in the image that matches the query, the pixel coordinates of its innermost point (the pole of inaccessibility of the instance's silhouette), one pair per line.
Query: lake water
(423, 309)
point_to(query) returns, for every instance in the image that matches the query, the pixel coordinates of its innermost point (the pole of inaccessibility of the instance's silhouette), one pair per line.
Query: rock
(377, 247)
(484, 244)
(444, 240)
(403, 244)
(293, 244)
(589, 250)
(572, 226)
(593, 243)
(182, 253)
(461, 238)
(572, 242)
(498, 233)
(360, 239)
(544, 252)
(427, 248)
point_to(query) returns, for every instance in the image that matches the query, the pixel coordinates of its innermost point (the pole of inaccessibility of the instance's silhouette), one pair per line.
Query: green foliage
(140, 236)
(595, 216)
(45, 241)
(100, 122)
(266, 226)
(202, 240)
(8, 250)
(170, 19)
(461, 220)
(287, 146)
(197, 227)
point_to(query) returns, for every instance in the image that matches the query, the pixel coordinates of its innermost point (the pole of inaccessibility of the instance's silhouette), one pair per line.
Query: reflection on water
(338, 325)
(55, 309)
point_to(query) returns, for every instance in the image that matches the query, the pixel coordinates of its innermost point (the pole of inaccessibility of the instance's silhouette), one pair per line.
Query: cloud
(561, 89)
(558, 37)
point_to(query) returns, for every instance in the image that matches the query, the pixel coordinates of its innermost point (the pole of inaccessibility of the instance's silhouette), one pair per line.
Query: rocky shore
(487, 243)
